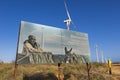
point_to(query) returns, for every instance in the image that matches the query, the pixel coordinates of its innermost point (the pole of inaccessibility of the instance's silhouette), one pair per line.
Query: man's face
(32, 41)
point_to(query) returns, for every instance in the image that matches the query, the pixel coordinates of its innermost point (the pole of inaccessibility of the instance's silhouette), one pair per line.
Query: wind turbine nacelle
(66, 21)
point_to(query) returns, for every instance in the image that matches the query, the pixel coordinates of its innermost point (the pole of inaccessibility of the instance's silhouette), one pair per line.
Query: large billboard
(45, 44)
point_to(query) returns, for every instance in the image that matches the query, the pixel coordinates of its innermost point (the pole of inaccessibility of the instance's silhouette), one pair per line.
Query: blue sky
(99, 18)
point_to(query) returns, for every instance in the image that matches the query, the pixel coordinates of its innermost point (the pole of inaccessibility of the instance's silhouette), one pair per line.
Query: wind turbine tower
(102, 56)
(96, 50)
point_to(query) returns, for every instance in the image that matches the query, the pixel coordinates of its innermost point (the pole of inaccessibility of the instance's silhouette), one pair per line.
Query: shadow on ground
(40, 76)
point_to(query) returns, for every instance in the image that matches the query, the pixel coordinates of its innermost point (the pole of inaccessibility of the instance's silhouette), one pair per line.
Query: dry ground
(116, 69)
(70, 71)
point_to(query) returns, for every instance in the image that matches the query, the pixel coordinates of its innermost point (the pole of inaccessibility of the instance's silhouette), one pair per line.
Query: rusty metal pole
(16, 65)
(59, 71)
(15, 70)
(88, 69)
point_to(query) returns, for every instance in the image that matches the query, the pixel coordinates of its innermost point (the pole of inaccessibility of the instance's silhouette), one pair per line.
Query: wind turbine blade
(73, 24)
(68, 14)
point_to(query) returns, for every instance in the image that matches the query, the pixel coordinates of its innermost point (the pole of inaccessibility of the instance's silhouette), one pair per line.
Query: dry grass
(70, 71)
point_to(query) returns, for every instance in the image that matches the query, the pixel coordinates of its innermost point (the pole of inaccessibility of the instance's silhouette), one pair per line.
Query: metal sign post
(60, 75)
(16, 65)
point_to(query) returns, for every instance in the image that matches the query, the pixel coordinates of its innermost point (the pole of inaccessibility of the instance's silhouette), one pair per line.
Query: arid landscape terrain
(98, 71)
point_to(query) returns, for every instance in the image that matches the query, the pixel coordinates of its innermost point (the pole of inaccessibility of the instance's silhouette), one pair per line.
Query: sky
(100, 19)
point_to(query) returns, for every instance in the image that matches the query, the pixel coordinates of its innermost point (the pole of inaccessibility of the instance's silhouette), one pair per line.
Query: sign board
(45, 44)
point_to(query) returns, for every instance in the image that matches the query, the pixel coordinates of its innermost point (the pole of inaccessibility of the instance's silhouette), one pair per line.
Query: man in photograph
(31, 49)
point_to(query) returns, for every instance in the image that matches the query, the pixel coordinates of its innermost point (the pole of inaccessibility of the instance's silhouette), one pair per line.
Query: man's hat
(31, 37)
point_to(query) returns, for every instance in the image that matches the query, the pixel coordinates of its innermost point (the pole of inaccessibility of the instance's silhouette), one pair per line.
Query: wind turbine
(96, 51)
(102, 56)
(69, 20)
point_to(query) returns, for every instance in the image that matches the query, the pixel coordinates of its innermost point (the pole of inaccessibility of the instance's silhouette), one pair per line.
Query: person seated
(30, 48)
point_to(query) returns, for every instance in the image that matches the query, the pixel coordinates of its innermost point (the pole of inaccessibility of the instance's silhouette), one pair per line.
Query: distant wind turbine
(69, 20)
(96, 50)
(102, 56)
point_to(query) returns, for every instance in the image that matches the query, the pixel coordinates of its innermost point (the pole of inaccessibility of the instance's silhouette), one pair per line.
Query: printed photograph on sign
(45, 44)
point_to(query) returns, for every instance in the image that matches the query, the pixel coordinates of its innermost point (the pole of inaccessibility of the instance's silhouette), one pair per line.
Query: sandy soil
(116, 69)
